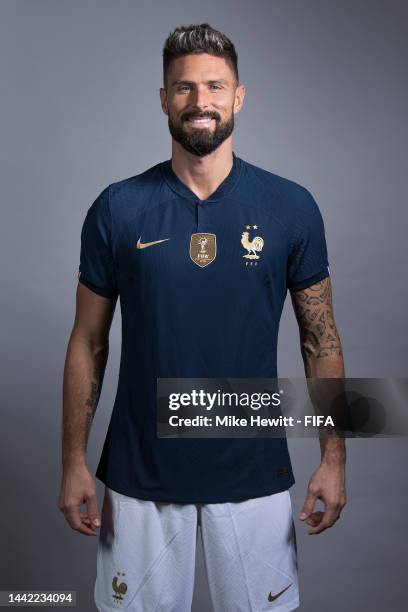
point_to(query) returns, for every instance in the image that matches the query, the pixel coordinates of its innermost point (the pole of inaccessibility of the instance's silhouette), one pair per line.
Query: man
(201, 249)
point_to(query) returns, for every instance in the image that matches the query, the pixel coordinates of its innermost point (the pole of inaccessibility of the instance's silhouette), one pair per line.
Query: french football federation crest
(203, 249)
(119, 589)
(252, 246)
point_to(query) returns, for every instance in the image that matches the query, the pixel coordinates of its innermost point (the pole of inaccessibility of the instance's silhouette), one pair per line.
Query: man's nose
(199, 99)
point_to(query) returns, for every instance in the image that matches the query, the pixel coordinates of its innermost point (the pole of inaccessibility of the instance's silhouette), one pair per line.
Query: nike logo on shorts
(274, 597)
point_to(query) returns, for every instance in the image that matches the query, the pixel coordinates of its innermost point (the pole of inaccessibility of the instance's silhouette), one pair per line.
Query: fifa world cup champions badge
(203, 249)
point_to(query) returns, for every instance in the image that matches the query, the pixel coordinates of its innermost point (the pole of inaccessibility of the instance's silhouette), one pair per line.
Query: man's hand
(78, 487)
(327, 484)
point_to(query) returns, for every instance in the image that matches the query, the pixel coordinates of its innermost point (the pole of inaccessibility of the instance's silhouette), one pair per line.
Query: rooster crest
(252, 246)
(120, 589)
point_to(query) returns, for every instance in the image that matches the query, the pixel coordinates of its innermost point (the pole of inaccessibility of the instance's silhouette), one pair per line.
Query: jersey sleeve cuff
(310, 280)
(108, 293)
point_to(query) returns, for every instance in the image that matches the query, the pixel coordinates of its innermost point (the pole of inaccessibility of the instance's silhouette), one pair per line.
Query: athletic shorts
(147, 549)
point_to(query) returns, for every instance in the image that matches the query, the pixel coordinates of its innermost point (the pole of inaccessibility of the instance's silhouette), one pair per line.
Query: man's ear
(163, 100)
(239, 98)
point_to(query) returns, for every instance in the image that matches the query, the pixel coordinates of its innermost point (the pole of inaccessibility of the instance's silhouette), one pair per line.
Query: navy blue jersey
(202, 286)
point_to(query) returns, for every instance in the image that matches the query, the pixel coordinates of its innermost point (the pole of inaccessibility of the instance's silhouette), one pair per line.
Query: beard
(201, 141)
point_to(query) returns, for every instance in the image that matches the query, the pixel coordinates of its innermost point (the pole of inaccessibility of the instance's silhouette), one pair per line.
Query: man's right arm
(85, 363)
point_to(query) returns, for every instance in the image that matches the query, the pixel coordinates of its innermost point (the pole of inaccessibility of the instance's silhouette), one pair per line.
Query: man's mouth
(201, 121)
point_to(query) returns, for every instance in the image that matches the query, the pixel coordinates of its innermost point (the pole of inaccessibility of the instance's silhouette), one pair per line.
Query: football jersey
(201, 285)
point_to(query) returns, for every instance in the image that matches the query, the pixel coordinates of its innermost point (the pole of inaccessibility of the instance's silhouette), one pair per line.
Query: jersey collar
(227, 185)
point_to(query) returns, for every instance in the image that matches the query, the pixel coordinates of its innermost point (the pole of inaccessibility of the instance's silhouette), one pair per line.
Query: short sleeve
(97, 266)
(307, 261)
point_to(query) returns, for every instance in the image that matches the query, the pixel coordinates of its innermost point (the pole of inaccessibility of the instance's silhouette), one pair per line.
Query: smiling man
(202, 249)
(187, 126)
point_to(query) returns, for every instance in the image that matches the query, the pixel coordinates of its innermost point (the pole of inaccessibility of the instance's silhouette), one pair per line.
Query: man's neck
(202, 175)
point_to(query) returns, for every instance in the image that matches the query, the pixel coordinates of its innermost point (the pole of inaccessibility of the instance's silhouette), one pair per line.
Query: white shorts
(146, 554)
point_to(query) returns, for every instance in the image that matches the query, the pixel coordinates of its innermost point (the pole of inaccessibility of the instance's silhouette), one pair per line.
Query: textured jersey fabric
(257, 235)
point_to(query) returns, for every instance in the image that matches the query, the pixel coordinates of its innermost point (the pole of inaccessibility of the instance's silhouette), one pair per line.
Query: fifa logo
(203, 249)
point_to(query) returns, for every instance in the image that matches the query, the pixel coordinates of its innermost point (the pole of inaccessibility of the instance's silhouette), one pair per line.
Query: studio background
(326, 107)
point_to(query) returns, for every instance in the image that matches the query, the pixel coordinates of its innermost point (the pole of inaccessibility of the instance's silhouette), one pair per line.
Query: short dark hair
(202, 38)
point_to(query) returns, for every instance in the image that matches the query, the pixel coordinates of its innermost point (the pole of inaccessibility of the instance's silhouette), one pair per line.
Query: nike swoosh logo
(144, 245)
(274, 597)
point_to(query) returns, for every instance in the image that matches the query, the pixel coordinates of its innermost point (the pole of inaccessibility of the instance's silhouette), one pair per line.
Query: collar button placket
(199, 215)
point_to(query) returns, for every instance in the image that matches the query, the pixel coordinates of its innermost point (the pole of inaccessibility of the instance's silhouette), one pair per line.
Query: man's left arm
(323, 358)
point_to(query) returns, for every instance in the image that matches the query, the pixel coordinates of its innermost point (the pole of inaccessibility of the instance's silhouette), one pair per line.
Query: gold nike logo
(144, 245)
(274, 597)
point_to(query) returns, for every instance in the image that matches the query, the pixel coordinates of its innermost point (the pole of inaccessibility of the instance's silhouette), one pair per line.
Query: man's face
(200, 101)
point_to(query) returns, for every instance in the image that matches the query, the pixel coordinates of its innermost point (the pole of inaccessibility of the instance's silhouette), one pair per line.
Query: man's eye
(215, 86)
(184, 87)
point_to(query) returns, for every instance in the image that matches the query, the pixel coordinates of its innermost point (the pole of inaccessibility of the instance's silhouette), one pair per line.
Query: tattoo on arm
(314, 312)
(96, 385)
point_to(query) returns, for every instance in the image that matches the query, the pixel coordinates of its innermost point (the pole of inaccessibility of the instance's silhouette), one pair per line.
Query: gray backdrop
(326, 107)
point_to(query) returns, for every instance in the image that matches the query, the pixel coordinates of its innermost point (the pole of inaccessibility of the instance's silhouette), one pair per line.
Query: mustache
(202, 115)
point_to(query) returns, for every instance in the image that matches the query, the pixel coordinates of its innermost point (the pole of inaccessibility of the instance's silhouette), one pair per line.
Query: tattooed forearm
(319, 337)
(83, 376)
(96, 386)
